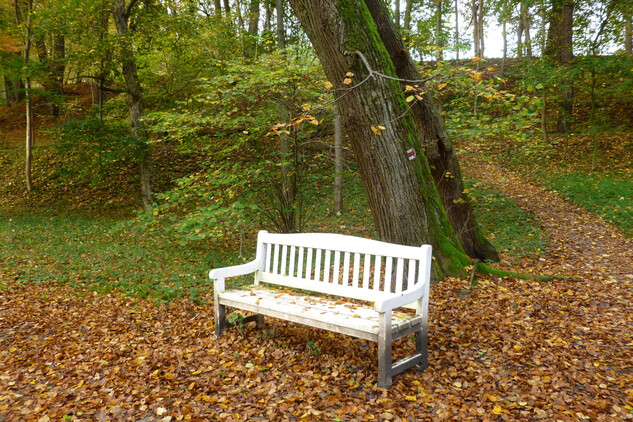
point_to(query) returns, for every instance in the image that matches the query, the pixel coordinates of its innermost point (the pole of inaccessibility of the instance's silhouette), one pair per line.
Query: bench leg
(220, 319)
(421, 346)
(384, 350)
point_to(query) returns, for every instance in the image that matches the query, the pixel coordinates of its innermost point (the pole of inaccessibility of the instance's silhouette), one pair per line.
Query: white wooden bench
(389, 275)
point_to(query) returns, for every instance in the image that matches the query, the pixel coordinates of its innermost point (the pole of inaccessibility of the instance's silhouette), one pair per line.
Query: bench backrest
(341, 265)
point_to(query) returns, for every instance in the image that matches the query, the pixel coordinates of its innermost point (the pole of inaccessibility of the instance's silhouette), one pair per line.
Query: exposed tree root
(486, 269)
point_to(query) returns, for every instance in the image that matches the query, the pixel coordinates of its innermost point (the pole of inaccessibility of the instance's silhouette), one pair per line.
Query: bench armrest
(393, 302)
(219, 274)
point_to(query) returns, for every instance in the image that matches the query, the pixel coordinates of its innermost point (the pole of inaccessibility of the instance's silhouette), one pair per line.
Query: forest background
(143, 142)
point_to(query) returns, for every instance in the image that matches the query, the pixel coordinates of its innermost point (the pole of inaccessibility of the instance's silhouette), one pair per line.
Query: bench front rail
(388, 275)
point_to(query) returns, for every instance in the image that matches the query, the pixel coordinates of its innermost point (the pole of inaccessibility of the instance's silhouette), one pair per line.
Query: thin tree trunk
(134, 100)
(217, 7)
(396, 13)
(23, 11)
(544, 118)
(407, 15)
(227, 8)
(628, 34)
(401, 192)
(477, 8)
(268, 16)
(253, 18)
(456, 31)
(438, 148)
(281, 29)
(526, 26)
(504, 33)
(338, 163)
(438, 30)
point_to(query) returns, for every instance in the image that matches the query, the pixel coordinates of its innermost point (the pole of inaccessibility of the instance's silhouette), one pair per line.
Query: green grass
(505, 224)
(103, 255)
(604, 195)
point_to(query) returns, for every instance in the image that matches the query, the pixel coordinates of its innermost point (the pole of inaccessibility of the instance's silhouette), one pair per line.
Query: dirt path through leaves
(507, 350)
(583, 245)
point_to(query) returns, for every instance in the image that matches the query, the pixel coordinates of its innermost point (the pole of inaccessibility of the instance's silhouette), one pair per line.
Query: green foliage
(248, 173)
(90, 151)
(476, 105)
(505, 224)
(604, 195)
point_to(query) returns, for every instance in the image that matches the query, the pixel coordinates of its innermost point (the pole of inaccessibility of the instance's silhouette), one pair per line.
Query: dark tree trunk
(396, 13)
(253, 18)
(281, 29)
(438, 148)
(401, 192)
(14, 89)
(134, 99)
(218, 7)
(560, 47)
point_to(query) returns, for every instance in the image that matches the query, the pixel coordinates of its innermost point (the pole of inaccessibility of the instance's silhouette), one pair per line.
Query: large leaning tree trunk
(134, 98)
(402, 195)
(438, 148)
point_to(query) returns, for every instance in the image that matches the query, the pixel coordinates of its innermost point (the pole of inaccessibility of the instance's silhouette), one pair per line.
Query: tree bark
(560, 48)
(438, 148)
(477, 8)
(526, 27)
(628, 33)
(253, 18)
(396, 13)
(134, 99)
(217, 7)
(23, 16)
(401, 193)
(338, 164)
(281, 29)
(438, 30)
(456, 31)
(407, 15)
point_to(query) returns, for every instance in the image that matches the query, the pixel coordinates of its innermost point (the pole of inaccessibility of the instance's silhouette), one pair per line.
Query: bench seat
(353, 319)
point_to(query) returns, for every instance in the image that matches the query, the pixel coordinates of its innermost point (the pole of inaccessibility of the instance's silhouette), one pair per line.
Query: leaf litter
(505, 350)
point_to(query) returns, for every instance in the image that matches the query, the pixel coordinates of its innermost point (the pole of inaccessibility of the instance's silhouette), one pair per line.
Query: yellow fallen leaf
(497, 410)
(411, 398)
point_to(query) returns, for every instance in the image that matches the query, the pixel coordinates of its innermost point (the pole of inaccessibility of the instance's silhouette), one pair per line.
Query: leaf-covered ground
(505, 350)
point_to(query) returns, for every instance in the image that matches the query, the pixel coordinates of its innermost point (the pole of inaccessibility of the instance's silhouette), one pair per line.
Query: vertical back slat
(300, 262)
(356, 270)
(337, 263)
(293, 253)
(411, 275)
(276, 260)
(346, 269)
(366, 269)
(399, 275)
(308, 275)
(377, 266)
(284, 260)
(388, 269)
(317, 265)
(269, 254)
(326, 266)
